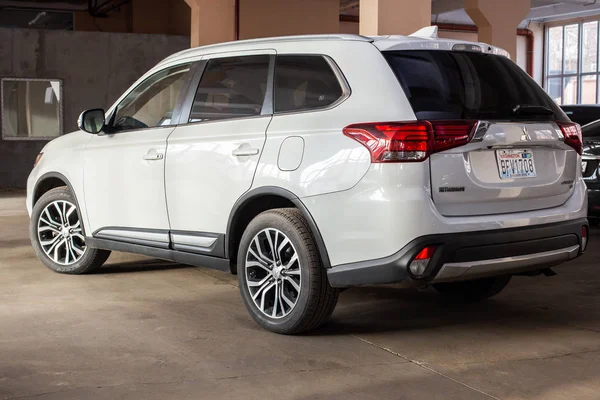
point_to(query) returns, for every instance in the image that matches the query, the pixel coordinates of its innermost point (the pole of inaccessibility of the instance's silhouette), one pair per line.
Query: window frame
(61, 132)
(188, 102)
(269, 102)
(346, 90)
(579, 74)
(177, 110)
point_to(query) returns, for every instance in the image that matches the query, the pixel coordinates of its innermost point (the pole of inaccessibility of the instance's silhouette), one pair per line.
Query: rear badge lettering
(452, 189)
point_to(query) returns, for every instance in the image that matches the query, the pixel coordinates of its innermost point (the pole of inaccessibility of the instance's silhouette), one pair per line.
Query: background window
(31, 108)
(231, 87)
(572, 63)
(304, 82)
(151, 104)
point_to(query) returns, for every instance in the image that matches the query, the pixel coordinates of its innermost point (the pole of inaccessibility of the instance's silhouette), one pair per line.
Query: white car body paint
(363, 211)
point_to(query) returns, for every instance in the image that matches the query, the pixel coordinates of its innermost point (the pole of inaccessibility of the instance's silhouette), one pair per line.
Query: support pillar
(212, 21)
(498, 21)
(393, 17)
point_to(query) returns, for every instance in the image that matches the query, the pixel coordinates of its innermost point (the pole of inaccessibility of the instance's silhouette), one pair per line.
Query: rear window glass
(467, 85)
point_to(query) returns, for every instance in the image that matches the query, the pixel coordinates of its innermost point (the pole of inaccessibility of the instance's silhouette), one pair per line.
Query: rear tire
(285, 291)
(58, 237)
(473, 291)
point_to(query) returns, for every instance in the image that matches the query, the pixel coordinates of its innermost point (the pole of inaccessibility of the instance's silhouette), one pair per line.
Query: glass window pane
(151, 104)
(31, 108)
(553, 89)
(304, 82)
(571, 48)
(570, 90)
(231, 87)
(555, 56)
(590, 47)
(588, 89)
(464, 85)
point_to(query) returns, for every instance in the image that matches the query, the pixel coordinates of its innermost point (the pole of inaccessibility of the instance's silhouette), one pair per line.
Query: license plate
(515, 164)
(583, 166)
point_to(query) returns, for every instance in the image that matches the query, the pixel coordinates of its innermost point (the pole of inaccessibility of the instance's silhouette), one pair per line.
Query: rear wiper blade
(529, 109)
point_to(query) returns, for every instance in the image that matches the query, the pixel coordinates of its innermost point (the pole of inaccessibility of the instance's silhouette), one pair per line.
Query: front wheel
(282, 281)
(57, 234)
(473, 291)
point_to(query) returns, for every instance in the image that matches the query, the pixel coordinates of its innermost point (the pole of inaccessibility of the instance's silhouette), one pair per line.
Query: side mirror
(92, 121)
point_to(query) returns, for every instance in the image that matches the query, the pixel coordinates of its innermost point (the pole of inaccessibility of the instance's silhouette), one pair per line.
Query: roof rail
(291, 38)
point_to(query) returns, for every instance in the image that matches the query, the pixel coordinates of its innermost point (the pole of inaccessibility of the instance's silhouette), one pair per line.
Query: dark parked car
(582, 114)
(590, 160)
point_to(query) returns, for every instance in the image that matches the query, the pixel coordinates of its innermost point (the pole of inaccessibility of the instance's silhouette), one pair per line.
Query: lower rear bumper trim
(468, 255)
(477, 269)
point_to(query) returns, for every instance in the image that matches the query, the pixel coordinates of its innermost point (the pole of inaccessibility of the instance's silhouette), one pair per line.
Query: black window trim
(188, 102)
(346, 90)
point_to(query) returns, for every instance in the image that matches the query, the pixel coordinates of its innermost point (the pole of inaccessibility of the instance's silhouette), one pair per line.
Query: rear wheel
(58, 237)
(281, 279)
(473, 291)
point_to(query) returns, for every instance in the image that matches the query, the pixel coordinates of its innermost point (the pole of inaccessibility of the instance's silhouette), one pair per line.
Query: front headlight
(37, 159)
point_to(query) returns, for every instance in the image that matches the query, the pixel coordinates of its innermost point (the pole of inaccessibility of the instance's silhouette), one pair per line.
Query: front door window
(152, 103)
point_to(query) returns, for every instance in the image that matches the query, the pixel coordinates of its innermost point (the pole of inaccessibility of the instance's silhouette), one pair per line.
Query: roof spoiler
(429, 32)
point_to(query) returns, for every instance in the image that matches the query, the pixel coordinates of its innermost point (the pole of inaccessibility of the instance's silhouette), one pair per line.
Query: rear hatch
(523, 150)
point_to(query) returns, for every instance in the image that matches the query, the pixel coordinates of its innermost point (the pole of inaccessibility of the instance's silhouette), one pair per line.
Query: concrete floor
(148, 329)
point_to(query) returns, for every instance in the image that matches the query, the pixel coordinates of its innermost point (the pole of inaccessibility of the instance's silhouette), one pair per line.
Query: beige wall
(349, 27)
(263, 18)
(393, 17)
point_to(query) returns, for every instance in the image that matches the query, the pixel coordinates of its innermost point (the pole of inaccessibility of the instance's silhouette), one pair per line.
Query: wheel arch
(49, 181)
(259, 200)
(52, 180)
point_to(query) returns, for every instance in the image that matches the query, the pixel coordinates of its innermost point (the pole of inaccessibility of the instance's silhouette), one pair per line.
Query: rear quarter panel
(330, 161)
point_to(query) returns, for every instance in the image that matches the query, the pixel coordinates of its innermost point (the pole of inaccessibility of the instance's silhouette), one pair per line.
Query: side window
(231, 88)
(151, 104)
(304, 83)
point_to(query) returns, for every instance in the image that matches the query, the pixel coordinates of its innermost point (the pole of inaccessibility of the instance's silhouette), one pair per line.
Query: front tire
(473, 291)
(57, 234)
(282, 281)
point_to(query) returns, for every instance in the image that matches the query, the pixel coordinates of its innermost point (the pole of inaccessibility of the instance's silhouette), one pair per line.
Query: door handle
(152, 155)
(245, 150)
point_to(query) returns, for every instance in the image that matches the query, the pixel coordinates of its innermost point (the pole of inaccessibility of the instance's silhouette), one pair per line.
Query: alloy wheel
(60, 233)
(273, 273)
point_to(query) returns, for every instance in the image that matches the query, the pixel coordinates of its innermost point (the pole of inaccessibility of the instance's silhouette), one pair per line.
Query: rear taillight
(572, 133)
(410, 141)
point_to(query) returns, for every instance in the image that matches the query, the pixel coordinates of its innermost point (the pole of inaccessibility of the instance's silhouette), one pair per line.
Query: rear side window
(231, 87)
(467, 85)
(304, 83)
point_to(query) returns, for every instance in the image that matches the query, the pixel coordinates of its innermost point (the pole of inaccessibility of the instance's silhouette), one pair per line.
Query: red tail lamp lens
(410, 141)
(572, 133)
(426, 253)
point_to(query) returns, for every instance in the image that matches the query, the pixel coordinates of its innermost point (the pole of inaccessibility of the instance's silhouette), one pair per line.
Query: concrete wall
(171, 17)
(95, 68)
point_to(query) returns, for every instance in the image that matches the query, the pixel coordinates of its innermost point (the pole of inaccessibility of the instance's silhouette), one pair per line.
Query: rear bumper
(462, 256)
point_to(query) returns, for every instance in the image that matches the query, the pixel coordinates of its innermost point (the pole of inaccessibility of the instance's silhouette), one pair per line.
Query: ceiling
(452, 11)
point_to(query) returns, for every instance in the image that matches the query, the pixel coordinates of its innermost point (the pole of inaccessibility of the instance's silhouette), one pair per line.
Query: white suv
(312, 163)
